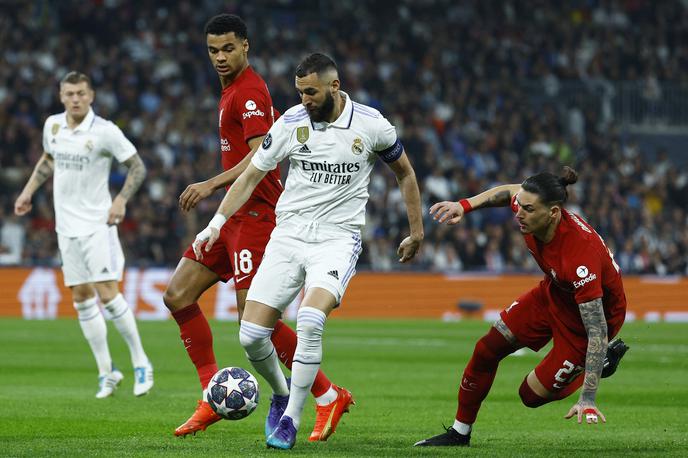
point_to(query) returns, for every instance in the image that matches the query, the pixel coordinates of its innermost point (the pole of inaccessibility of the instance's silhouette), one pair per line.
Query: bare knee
(81, 293)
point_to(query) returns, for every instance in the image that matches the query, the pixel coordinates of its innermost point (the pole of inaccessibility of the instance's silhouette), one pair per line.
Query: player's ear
(554, 210)
(246, 45)
(334, 86)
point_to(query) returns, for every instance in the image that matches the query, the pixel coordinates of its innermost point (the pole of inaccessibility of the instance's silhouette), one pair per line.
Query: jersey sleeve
(117, 144)
(386, 144)
(273, 149)
(254, 109)
(46, 133)
(585, 273)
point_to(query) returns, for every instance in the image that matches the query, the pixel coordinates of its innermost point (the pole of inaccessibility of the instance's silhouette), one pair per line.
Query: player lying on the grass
(332, 143)
(580, 304)
(78, 147)
(246, 113)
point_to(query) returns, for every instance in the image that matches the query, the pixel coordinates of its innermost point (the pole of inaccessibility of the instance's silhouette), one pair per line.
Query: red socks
(284, 340)
(198, 341)
(480, 373)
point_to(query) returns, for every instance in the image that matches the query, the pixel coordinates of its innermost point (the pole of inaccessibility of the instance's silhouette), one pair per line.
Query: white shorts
(305, 254)
(91, 258)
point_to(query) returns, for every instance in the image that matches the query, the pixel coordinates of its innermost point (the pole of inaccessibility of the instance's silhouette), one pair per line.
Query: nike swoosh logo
(237, 280)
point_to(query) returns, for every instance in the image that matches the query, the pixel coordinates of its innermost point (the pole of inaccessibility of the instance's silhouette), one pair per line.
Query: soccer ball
(233, 393)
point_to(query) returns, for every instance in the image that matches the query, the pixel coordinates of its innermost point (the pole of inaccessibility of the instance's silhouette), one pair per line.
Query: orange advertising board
(39, 293)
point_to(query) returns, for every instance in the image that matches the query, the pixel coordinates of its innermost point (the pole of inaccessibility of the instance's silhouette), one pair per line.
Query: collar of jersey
(344, 119)
(85, 124)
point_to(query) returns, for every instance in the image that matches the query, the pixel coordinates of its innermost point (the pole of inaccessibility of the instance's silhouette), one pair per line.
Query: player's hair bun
(568, 176)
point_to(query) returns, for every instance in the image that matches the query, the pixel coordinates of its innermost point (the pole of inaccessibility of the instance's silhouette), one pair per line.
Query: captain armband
(392, 153)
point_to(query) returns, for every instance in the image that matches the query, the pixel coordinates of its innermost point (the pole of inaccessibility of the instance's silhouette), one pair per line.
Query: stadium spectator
(477, 75)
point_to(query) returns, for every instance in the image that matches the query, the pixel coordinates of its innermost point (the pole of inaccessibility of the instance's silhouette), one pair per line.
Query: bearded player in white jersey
(332, 144)
(78, 148)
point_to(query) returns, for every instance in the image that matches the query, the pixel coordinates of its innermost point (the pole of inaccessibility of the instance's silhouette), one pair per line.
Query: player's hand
(447, 212)
(408, 248)
(117, 211)
(590, 411)
(193, 194)
(207, 236)
(23, 204)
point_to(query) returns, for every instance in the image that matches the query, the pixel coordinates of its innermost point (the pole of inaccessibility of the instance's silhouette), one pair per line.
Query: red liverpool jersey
(579, 268)
(246, 111)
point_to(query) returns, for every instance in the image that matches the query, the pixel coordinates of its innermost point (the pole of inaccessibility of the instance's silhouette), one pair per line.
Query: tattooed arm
(452, 212)
(43, 170)
(135, 177)
(592, 314)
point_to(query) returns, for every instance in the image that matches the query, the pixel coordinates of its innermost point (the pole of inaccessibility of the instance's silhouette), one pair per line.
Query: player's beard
(323, 112)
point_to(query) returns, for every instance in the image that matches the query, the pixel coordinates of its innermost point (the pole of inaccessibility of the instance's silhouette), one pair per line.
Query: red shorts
(536, 318)
(239, 250)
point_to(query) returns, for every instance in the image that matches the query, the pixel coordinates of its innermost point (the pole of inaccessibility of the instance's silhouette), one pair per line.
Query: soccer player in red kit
(245, 116)
(580, 304)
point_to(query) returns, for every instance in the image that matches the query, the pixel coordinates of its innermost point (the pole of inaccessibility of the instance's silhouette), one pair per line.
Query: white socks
(261, 352)
(309, 328)
(124, 321)
(462, 428)
(328, 398)
(93, 326)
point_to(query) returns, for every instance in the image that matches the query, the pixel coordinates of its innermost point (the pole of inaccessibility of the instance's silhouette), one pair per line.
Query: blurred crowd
(449, 75)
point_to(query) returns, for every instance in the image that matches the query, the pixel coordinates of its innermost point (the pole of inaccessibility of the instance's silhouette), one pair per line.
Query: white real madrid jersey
(82, 158)
(329, 163)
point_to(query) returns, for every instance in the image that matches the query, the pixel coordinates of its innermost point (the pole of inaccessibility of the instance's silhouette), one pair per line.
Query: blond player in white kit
(332, 144)
(78, 148)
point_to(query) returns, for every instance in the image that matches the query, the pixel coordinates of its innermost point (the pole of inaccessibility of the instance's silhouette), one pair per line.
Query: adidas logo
(104, 271)
(334, 274)
(304, 149)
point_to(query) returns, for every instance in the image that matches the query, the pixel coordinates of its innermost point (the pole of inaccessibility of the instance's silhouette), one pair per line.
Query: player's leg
(105, 261)
(247, 251)
(189, 280)
(519, 325)
(91, 319)
(257, 324)
(122, 317)
(93, 326)
(558, 374)
(330, 264)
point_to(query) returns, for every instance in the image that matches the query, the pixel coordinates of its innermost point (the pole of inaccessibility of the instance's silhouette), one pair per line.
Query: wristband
(467, 207)
(218, 221)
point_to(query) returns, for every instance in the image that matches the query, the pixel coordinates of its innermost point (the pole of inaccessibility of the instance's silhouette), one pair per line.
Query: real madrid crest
(302, 134)
(55, 129)
(357, 146)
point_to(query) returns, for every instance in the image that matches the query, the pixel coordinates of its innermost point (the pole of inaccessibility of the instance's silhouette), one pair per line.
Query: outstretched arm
(592, 314)
(452, 212)
(406, 178)
(41, 172)
(196, 192)
(135, 177)
(237, 196)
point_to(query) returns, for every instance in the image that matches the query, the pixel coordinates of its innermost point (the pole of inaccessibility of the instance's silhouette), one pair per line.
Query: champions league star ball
(233, 393)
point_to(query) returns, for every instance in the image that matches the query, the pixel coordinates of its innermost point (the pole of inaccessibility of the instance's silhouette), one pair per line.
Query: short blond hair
(75, 77)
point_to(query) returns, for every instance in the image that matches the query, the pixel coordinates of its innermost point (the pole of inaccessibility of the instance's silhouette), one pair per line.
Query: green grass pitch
(403, 374)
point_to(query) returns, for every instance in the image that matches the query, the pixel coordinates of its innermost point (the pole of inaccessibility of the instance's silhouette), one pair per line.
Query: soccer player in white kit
(78, 148)
(332, 144)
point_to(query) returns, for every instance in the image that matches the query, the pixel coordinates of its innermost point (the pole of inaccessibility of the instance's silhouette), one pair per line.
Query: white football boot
(143, 379)
(108, 383)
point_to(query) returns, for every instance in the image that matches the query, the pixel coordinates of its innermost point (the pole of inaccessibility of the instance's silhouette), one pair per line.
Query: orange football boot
(328, 416)
(203, 417)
